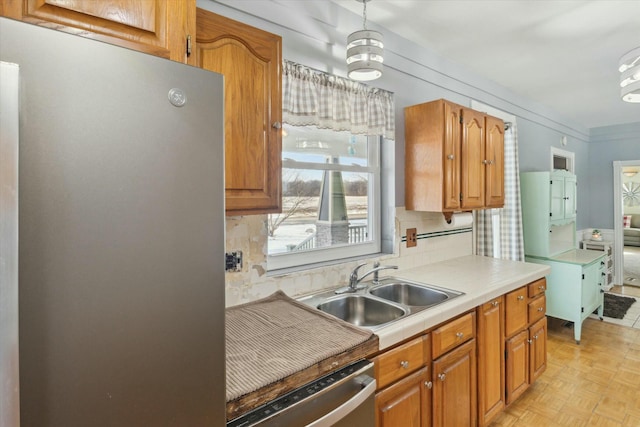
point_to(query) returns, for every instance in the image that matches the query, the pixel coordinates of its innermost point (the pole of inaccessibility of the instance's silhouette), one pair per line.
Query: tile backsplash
(437, 241)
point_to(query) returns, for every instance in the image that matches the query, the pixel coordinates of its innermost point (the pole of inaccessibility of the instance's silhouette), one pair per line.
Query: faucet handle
(376, 264)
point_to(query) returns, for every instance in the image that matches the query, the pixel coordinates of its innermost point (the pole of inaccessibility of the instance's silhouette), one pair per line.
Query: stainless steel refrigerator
(112, 256)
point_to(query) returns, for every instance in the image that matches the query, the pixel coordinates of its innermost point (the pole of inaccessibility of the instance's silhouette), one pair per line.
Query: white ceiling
(561, 53)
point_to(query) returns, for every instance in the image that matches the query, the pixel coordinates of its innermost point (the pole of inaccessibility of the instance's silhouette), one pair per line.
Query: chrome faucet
(354, 280)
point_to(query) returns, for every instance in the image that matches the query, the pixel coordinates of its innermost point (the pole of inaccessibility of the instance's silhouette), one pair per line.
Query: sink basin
(361, 310)
(410, 294)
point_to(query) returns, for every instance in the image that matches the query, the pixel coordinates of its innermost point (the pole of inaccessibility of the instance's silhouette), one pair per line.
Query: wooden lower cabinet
(455, 387)
(491, 367)
(525, 337)
(406, 403)
(517, 365)
(538, 349)
(483, 361)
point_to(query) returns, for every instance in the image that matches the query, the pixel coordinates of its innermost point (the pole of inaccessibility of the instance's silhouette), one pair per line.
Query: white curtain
(508, 220)
(314, 98)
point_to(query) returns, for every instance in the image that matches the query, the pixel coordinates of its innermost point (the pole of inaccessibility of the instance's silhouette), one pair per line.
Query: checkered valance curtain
(313, 98)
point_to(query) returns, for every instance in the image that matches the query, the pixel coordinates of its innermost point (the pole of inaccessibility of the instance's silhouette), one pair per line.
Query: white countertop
(480, 278)
(578, 256)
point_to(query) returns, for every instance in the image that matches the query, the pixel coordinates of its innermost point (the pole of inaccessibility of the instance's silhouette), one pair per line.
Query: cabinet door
(494, 162)
(591, 290)
(455, 387)
(406, 403)
(557, 202)
(570, 200)
(517, 365)
(250, 60)
(490, 360)
(157, 27)
(473, 156)
(516, 311)
(451, 152)
(537, 349)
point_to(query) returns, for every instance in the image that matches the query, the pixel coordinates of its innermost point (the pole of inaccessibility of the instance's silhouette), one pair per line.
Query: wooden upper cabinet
(157, 27)
(250, 60)
(473, 158)
(432, 156)
(494, 162)
(454, 158)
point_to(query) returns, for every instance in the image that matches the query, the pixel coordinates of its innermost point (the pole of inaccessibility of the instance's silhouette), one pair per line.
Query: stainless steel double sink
(379, 304)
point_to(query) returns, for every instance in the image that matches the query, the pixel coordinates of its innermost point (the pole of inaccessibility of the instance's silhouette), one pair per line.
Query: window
(331, 197)
(333, 132)
(562, 160)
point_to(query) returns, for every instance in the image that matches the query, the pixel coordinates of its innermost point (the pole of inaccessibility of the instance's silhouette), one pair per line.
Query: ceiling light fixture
(364, 52)
(630, 76)
(630, 173)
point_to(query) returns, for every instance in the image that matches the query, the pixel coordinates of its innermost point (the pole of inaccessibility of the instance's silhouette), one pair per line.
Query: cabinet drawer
(516, 311)
(452, 334)
(537, 287)
(537, 308)
(396, 363)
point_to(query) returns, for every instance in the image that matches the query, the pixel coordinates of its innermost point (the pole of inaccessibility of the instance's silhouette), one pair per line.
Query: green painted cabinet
(563, 203)
(574, 286)
(548, 212)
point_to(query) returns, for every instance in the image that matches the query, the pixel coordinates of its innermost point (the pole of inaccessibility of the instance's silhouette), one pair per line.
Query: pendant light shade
(630, 76)
(364, 52)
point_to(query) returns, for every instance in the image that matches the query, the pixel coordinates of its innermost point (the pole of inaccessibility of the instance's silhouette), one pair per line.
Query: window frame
(375, 197)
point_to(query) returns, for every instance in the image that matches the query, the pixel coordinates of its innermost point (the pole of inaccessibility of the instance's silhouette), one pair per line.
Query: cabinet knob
(404, 364)
(450, 157)
(441, 377)
(459, 335)
(486, 162)
(540, 309)
(428, 384)
(277, 125)
(541, 288)
(520, 297)
(530, 341)
(495, 303)
(535, 337)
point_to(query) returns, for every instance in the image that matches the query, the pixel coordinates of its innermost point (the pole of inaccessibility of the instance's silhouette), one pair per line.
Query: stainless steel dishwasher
(343, 398)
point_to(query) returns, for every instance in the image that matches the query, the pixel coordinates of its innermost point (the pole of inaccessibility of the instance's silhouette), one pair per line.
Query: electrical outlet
(233, 261)
(412, 237)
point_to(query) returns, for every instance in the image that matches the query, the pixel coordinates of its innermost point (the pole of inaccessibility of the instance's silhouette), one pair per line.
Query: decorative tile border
(440, 233)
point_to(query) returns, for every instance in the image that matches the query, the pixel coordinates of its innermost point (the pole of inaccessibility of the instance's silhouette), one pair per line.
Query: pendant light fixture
(630, 76)
(364, 52)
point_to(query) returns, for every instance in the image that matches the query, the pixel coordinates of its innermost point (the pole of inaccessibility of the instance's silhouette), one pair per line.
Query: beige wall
(249, 235)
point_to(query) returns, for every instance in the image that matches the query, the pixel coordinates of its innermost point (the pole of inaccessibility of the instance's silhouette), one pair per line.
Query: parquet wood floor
(596, 383)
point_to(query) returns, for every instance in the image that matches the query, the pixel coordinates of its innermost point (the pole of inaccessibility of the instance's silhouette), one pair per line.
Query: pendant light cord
(364, 14)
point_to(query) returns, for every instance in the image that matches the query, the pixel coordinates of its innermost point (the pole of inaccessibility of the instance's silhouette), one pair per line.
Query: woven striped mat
(274, 337)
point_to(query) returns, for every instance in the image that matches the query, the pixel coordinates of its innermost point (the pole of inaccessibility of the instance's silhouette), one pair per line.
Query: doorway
(624, 172)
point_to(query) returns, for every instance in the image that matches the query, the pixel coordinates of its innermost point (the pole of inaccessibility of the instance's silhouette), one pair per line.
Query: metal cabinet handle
(404, 364)
(459, 335)
(276, 125)
(540, 309)
(450, 157)
(495, 303)
(520, 297)
(530, 341)
(535, 337)
(428, 384)
(486, 162)
(441, 377)
(541, 288)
